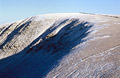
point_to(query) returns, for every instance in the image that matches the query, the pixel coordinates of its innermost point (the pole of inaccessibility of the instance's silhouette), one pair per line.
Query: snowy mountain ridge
(66, 45)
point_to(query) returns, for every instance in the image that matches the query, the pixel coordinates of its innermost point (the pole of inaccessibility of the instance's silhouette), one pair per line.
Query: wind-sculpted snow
(61, 46)
(61, 40)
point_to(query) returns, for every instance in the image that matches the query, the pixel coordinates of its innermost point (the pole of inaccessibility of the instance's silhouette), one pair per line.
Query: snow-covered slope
(66, 45)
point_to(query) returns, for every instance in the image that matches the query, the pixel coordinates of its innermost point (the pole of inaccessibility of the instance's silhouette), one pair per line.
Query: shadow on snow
(36, 60)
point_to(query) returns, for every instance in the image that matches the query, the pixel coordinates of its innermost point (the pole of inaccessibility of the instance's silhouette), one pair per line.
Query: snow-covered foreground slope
(68, 45)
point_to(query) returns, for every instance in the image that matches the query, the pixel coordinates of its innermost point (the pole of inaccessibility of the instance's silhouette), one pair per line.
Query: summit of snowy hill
(65, 45)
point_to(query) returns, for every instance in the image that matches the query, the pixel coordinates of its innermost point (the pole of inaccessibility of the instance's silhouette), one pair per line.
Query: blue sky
(13, 10)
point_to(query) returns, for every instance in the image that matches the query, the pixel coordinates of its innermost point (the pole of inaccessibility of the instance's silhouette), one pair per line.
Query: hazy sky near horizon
(13, 10)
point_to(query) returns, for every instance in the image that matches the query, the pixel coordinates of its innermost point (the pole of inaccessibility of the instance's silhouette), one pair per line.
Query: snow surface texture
(67, 45)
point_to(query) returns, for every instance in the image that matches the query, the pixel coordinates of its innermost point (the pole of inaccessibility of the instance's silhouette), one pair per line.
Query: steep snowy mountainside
(17, 35)
(66, 45)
